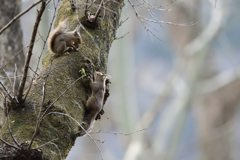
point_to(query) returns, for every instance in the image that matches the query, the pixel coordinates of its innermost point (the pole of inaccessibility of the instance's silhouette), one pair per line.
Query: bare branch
(8, 144)
(39, 117)
(5, 90)
(60, 96)
(115, 133)
(18, 16)
(98, 11)
(150, 8)
(15, 56)
(23, 80)
(9, 128)
(121, 23)
(116, 38)
(89, 34)
(44, 44)
(10, 82)
(14, 79)
(46, 143)
(79, 125)
(57, 149)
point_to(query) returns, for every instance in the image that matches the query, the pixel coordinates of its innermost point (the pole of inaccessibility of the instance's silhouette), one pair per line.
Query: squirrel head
(98, 76)
(78, 36)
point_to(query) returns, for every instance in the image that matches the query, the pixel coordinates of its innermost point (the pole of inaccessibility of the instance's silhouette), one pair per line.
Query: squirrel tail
(62, 26)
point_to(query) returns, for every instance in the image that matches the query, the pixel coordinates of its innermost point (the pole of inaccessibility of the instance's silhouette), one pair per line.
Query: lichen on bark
(60, 73)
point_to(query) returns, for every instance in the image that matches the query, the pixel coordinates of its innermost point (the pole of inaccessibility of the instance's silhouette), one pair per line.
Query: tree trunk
(59, 74)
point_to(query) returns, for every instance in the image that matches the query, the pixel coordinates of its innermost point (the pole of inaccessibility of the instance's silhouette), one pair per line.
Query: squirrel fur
(95, 102)
(59, 40)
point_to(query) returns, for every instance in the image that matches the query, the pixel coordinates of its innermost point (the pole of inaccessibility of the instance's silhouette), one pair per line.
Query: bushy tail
(62, 26)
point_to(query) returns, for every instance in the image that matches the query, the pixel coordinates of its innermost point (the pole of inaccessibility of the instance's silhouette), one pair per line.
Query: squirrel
(59, 39)
(94, 103)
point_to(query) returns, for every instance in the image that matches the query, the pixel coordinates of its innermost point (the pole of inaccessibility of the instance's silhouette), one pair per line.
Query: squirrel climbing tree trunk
(54, 102)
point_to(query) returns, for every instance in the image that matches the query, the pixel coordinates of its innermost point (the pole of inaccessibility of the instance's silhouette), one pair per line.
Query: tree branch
(18, 16)
(26, 67)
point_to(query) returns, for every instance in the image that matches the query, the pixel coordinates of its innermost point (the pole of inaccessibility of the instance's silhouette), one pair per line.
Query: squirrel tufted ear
(105, 76)
(75, 32)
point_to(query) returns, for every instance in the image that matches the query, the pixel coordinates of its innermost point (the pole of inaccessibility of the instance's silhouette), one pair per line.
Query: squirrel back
(59, 39)
(62, 26)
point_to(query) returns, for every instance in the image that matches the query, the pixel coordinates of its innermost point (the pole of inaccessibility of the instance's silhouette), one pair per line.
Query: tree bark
(59, 74)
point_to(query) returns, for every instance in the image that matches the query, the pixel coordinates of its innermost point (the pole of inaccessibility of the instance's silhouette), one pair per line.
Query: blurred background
(175, 91)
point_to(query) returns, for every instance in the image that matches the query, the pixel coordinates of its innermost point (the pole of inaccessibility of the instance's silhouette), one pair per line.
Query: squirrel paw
(98, 117)
(88, 78)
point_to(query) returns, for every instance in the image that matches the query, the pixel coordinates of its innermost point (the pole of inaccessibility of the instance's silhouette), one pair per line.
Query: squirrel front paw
(98, 117)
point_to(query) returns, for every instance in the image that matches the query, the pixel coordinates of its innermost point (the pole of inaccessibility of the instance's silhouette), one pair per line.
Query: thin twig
(98, 11)
(10, 82)
(150, 8)
(116, 38)
(18, 16)
(46, 143)
(10, 145)
(35, 72)
(89, 34)
(9, 128)
(86, 8)
(6, 90)
(39, 117)
(60, 154)
(97, 6)
(115, 133)
(64, 114)
(39, 58)
(23, 81)
(15, 55)
(123, 21)
(60, 96)
(41, 37)
(14, 79)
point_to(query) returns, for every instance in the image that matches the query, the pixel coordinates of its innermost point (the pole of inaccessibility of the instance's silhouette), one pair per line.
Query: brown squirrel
(95, 102)
(59, 39)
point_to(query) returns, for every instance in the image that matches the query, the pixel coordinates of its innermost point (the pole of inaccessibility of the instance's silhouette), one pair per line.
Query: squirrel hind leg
(61, 48)
(66, 52)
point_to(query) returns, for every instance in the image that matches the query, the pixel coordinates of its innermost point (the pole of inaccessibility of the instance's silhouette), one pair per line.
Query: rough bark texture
(59, 74)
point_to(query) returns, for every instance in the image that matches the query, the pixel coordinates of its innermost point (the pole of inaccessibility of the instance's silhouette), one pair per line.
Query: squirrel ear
(75, 32)
(104, 76)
